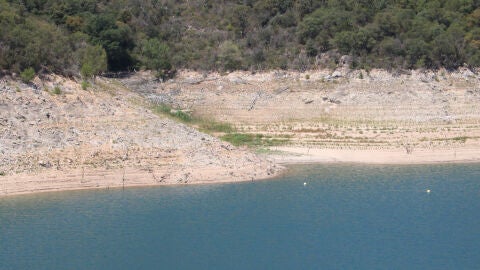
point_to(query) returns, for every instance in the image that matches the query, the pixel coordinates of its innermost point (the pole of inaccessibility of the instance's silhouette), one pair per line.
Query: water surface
(346, 217)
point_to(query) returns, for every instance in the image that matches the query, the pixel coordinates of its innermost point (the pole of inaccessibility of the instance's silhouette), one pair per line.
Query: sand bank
(291, 155)
(78, 179)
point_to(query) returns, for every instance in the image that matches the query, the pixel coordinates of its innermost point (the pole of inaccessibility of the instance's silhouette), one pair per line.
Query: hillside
(204, 127)
(57, 136)
(342, 115)
(90, 37)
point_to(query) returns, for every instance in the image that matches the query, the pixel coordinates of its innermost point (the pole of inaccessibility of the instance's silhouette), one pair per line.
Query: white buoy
(428, 190)
(304, 183)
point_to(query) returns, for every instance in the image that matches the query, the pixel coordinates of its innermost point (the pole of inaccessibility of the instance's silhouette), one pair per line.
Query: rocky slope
(54, 135)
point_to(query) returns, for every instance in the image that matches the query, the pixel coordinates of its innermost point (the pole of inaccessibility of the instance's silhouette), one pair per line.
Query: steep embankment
(342, 115)
(56, 136)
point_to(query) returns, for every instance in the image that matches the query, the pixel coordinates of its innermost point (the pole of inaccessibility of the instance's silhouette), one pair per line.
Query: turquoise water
(346, 217)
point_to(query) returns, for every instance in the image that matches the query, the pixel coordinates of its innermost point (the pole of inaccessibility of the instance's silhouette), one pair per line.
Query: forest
(87, 38)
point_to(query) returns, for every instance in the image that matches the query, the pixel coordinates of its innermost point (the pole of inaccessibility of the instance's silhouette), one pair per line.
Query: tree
(115, 37)
(155, 55)
(94, 62)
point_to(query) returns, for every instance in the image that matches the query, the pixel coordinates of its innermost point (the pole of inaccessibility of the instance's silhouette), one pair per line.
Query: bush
(162, 108)
(155, 55)
(229, 57)
(85, 85)
(183, 116)
(27, 75)
(94, 61)
(166, 109)
(57, 90)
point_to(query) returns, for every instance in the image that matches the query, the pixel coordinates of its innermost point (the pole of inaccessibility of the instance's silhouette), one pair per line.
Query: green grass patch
(210, 126)
(162, 108)
(252, 140)
(177, 114)
(183, 116)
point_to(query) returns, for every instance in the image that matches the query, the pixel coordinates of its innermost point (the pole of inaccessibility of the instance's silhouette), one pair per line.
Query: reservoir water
(344, 217)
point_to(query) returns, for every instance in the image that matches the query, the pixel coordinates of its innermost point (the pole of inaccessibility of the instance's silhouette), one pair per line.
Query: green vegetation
(156, 56)
(252, 140)
(73, 37)
(2, 174)
(210, 126)
(225, 131)
(93, 62)
(85, 85)
(27, 75)
(177, 114)
(57, 90)
(183, 116)
(205, 125)
(162, 108)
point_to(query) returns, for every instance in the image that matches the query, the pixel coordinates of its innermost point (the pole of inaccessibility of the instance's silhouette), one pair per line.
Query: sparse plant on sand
(57, 90)
(167, 110)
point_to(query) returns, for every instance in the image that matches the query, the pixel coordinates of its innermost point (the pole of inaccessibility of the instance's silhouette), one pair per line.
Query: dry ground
(105, 136)
(347, 110)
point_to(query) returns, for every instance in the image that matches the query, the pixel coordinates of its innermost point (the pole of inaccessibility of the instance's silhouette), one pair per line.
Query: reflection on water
(346, 217)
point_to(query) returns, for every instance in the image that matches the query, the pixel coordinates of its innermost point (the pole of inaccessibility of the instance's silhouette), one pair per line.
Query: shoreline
(303, 155)
(28, 184)
(95, 139)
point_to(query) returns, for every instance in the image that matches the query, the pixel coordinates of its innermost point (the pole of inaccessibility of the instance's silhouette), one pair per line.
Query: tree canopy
(53, 35)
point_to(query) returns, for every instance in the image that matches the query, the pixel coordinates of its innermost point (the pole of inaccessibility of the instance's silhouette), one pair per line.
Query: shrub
(27, 75)
(229, 57)
(162, 108)
(183, 116)
(94, 62)
(156, 56)
(166, 109)
(57, 90)
(85, 85)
